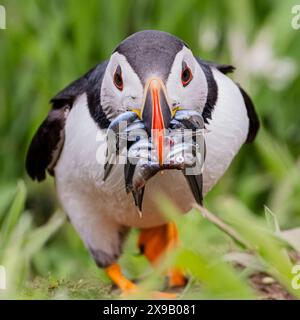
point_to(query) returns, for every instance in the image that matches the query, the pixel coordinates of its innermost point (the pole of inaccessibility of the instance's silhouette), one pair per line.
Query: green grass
(210, 252)
(48, 44)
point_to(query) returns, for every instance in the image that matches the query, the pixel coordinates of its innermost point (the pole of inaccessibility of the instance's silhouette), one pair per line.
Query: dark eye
(186, 75)
(118, 80)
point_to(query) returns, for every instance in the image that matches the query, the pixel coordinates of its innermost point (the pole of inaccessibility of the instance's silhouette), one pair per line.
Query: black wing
(252, 115)
(224, 68)
(47, 143)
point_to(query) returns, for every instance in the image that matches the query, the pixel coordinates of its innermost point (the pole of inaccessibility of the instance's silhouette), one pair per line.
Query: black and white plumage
(72, 138)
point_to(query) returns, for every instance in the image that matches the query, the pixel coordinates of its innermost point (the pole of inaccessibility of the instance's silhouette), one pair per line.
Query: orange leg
(128, 287)
(153, 242)
(115, 274)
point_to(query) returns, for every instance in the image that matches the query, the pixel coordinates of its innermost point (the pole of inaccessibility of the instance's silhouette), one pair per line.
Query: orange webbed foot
(128, 288)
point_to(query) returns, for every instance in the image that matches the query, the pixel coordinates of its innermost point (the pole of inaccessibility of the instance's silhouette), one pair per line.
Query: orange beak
(156, 114)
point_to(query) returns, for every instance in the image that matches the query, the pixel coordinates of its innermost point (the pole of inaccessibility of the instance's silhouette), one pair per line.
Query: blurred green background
(48, 44)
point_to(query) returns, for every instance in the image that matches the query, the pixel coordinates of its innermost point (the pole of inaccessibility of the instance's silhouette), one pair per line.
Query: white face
(116, 99)
(113, 100)
(194, 94)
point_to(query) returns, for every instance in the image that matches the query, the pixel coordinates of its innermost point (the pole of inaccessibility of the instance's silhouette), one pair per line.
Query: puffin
(153, 81)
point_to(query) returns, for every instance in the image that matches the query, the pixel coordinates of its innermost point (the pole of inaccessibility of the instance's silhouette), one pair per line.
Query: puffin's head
(153, 74)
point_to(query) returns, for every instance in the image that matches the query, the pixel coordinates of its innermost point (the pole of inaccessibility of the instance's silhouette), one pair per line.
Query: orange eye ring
(118, 79)
(186, 76)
